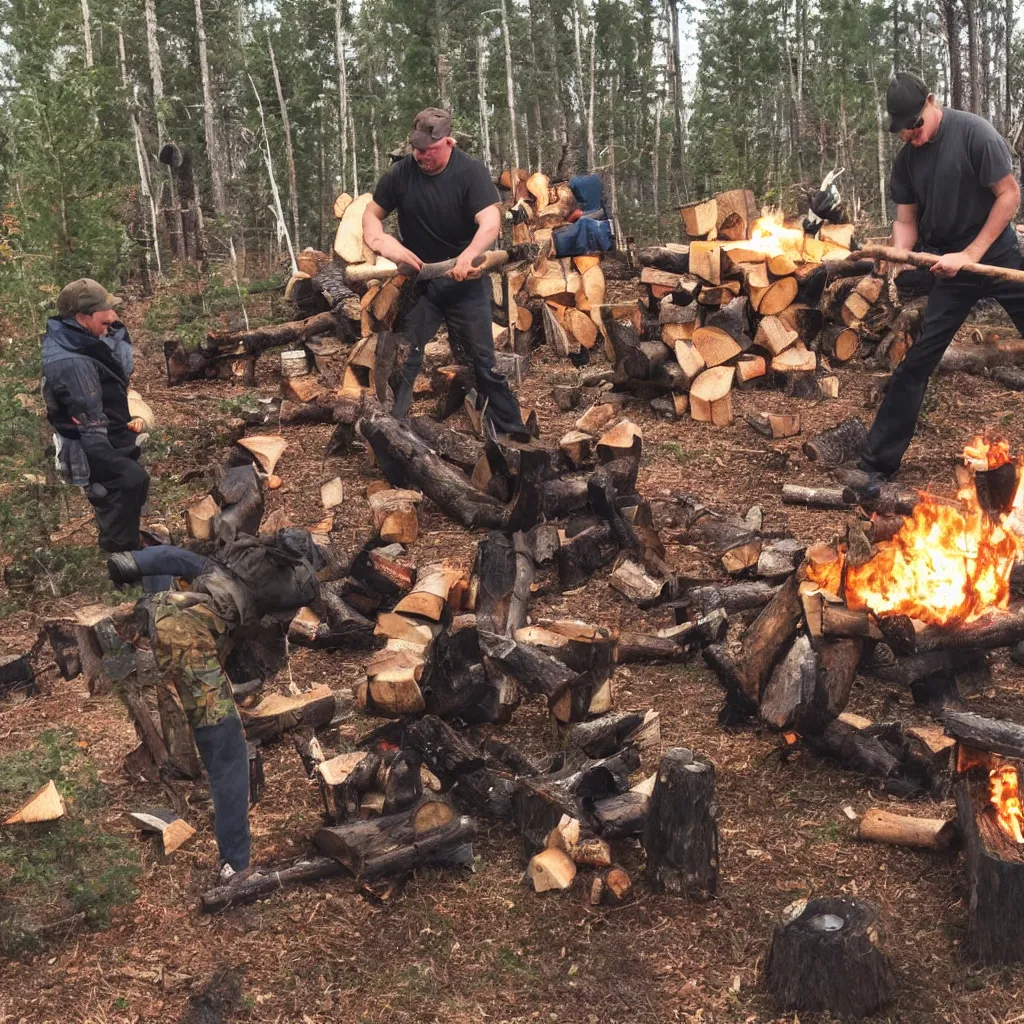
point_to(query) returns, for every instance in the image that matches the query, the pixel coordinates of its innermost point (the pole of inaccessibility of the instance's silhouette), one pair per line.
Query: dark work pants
(226, 759)
(117, 491)
(165, 560)
(465, 308)
(949, 303)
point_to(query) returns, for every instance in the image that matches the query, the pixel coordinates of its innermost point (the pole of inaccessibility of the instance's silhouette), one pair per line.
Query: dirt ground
(484, 947)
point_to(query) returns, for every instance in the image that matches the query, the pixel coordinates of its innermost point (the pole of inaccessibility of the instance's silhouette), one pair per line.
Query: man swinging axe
(447, 209)
(955, 195)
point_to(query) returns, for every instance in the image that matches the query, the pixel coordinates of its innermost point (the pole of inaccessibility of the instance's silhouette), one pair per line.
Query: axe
(485, 263)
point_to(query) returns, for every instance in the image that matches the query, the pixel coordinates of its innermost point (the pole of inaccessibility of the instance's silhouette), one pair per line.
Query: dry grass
(484, 947)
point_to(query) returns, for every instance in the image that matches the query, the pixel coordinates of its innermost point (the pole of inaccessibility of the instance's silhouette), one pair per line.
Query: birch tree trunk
(176, 221)
(611, 145)
(339, 46)
(213, 149)
(293, 191)
(376, 147)
(355, 162)
(579, 97)
(441, 55)
(481, 88)
(656, 165)
(510, 86)
(282, 225)
(591, 148)
(146, 191)
(87, 34)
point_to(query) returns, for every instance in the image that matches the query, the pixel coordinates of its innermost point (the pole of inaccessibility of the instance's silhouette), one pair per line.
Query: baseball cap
(430, 126)
(905, 99)
(84, 296)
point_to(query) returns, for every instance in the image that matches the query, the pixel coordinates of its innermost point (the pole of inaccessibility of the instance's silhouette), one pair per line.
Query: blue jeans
(160, 564)
(225, 756)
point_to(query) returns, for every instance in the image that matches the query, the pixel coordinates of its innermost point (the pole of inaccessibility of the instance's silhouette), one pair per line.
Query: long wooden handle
(927, 259)
(432, 271)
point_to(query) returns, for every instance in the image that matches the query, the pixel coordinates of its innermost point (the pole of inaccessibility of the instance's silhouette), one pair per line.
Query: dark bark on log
(17, 676)
(496, 573)
(459, 687)
(999, 629)
(618, 817)
(444, 751)
(767, 638)
(841, 443)
(525, 572)
(459, 449)
(603, 736)
(854, 750)
(642, 647)
(990, 734)
(681, 834)
(307, 746)
(828, 958)
(582, 555)
(730, 597)
(995, 879)
(664, 259)
(979, 359)
(406, 460)
(534, 671)
(265, 882)
(393, 845)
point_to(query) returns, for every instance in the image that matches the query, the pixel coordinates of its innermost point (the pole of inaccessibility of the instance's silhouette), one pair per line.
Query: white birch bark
(481, 88)
(510, 86)
(339, 46)
(355, 162)
(87, 34)
(220, 204)
(148, 205)
(591, 148)
(276, 209)
(293, 190)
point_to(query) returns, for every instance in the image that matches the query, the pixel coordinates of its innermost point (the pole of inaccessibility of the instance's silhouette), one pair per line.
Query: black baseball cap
(905, 99)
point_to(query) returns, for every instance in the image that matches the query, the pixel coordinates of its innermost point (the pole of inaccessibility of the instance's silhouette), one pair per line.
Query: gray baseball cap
(904, 100)
(85, 296)
(430, 126)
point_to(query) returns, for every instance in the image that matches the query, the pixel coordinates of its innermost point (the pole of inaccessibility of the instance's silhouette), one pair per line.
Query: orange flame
(769, 234)
(1004, 794)
(949, 564)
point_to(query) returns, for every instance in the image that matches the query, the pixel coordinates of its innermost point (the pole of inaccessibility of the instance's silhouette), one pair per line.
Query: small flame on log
(769, 234)
(949, 564)
(1004, 794)
(970, 757)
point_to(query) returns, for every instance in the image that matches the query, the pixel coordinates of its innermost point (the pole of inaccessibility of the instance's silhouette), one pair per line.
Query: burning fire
(949, 564)
(769, 234)
(1004, 793)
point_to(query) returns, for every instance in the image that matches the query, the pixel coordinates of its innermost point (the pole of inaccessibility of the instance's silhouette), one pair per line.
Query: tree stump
(681, 833)
(825, 956)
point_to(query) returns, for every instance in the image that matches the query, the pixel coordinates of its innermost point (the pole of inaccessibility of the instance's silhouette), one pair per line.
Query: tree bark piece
(263, 882)
(999, 629)
(681, 834)
(842, 443)
(624, 815)
(429, 834)
(818, 497)
(994, 735)
(825, 956)
(995, 878)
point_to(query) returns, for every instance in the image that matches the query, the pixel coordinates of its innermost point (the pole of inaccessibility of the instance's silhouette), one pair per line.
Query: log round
(681, 834)
(826, 956)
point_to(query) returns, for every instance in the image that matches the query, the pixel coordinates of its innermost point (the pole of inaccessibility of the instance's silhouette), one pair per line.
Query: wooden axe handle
(485, 263)
(926, 259)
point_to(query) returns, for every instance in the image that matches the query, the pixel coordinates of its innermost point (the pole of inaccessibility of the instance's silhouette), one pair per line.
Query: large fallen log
(265, 881)
(407, 461)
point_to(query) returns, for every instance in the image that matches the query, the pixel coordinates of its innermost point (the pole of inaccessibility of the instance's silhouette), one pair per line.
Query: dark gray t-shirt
(950, 179)
(436, 211)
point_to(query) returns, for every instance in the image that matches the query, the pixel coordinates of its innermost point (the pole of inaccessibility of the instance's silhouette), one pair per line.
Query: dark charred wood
(404, 787)
(257, 776)
(534, 671)
(459, 687)
(842, 443)
(603, 736)
(854, 750)
(17, 675)
(730, 597)
(767, 638)
(999, 629)
(622, 816)
(828, 958)
(994, 735)
(64, 642)
(669, 260)
(265, 881)
(459, 449)
(995, 878)
(307, 746)
(496, 574)
(681, 833)
(444, 751)
(395, 844)
(582, 555)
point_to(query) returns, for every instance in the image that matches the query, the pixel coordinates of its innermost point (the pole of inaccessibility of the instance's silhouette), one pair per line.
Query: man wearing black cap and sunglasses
(447, 209)
(955, 195)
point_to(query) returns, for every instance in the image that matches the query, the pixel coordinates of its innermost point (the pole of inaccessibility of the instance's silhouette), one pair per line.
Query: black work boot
(122, 569)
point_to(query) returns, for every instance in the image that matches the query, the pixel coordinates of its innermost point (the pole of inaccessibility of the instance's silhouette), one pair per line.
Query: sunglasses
(913, 126)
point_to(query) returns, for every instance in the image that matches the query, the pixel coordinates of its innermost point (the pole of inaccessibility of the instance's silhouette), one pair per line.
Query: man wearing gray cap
(87, 364)
(955, 196)
(447, 209)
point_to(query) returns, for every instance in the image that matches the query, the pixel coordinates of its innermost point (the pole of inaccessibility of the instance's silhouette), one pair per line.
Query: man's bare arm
(904, 227)
(488, 227)
(381, 242)
(1007, 193)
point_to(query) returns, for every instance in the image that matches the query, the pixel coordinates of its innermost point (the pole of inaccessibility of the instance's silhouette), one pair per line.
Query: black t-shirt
(436, 211)
(950, 179)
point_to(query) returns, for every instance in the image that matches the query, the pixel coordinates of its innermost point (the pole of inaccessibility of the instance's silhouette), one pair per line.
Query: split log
(774, 336)
(533, 670)
(278, 713)
(731, 598)
(264, 882)
(551, 869)
(46, 804)
(819, 497)
(603, 736)
(581, 555)
(776, 297)
(715, 346)
(826, 956)
(706, 261)
(631, 579)
(343, 781)
(995, 878)
(308, 747)
(750, 368)
(394, 514)
(844, 442)
(681, 833)
(710, 400)
(881, 826)
(774, 425)
(700, 218)
(431, 834)
(624, 815)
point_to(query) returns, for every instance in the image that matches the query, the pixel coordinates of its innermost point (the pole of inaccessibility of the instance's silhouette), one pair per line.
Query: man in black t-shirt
(955, 195)
(447, 209)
